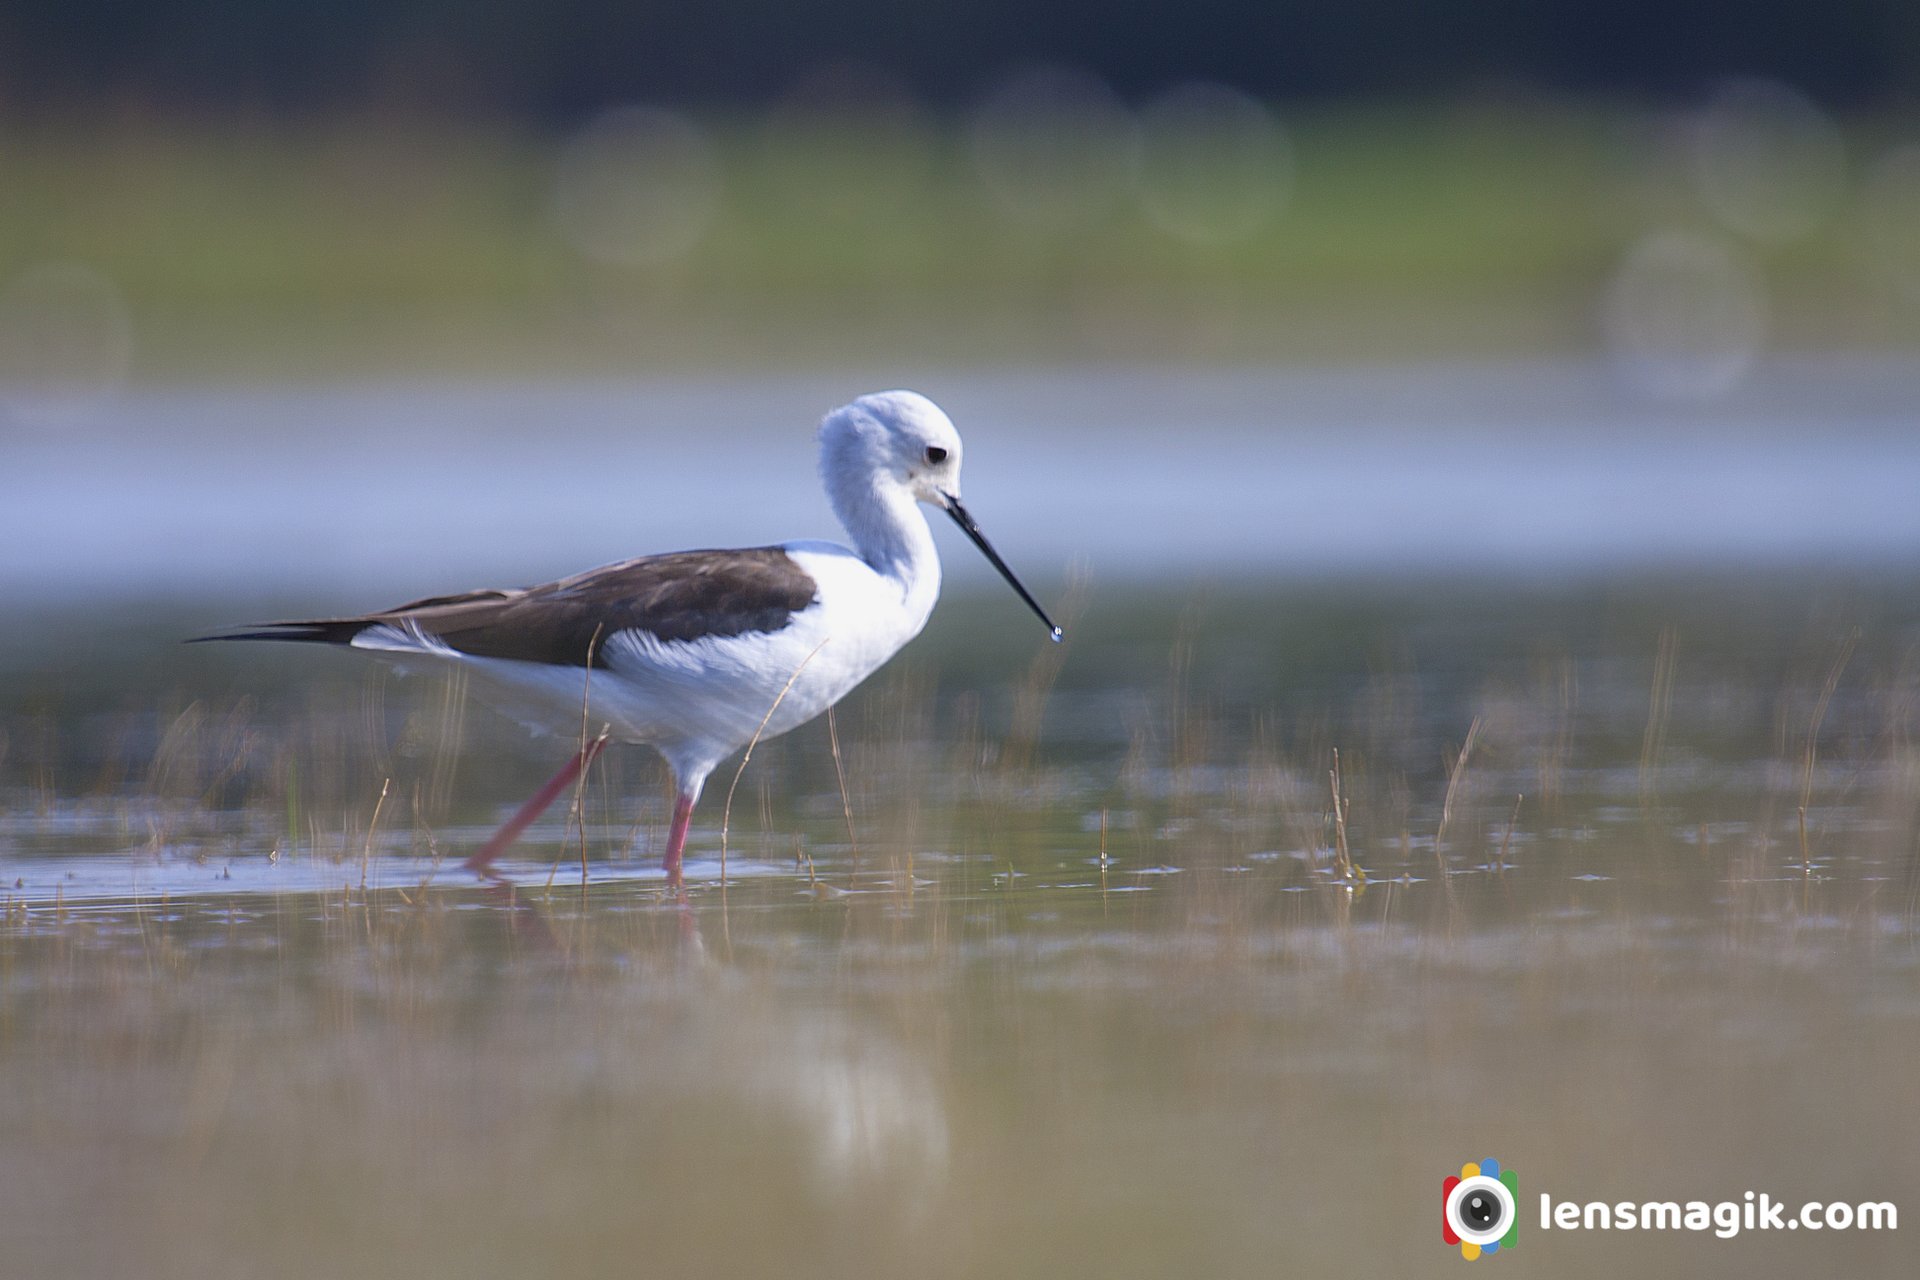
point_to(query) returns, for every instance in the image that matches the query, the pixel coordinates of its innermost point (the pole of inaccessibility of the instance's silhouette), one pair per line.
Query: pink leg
(481, 862)
(677, 837)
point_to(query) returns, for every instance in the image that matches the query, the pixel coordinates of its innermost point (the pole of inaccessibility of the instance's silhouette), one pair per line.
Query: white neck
(889, 531)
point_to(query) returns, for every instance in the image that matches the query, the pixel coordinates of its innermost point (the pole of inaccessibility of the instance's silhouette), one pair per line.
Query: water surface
(1072, 964)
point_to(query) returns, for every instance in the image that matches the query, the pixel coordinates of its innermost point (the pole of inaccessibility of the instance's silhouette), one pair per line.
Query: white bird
(699, 653)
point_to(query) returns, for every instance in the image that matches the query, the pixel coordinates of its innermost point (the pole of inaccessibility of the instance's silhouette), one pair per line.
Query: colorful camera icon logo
(1480, 1209)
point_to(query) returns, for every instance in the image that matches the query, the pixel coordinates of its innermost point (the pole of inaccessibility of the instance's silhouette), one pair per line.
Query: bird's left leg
(677, 835)
(482, 861)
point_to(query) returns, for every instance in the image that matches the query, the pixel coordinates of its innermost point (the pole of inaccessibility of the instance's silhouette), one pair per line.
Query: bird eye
(936, 455)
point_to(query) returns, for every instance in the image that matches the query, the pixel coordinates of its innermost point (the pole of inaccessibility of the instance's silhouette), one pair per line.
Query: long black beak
(972, 530)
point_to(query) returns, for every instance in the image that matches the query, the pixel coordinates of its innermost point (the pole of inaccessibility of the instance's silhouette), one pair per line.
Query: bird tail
(323, 631)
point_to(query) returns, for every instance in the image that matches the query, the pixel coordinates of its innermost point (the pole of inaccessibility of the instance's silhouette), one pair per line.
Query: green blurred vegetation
(390, 245)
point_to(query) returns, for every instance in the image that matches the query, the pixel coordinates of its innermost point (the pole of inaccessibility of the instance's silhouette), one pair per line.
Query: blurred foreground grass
(383, 245)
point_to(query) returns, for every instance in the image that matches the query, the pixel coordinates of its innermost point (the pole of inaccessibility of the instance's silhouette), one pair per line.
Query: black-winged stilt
(699, 653)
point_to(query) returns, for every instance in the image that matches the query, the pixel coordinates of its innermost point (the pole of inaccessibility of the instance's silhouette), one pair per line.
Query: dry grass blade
(1506, 838)
(1343, 857)
(578, 811)
(1659, 709)
(726, 810)
(1454, 775)
(1827, 691)
(846, 803)
(448, 737)
(366, 850)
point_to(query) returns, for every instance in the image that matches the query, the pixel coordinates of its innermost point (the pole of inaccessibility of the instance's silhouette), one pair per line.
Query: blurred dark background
(548, 61)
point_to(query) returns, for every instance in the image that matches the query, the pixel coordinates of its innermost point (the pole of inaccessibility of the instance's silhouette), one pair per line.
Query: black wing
(685, 595)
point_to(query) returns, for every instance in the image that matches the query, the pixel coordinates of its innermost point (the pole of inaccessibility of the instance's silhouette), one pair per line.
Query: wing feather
(681, 596)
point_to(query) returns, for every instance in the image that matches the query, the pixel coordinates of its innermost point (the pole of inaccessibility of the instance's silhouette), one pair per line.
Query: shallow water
(1070, 978)
(253, 1026)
